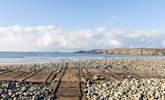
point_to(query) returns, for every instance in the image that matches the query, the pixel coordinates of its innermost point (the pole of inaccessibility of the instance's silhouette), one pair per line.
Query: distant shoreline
(127, 51)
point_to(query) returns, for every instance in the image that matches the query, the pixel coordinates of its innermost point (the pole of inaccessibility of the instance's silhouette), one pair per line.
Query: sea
(46, 57)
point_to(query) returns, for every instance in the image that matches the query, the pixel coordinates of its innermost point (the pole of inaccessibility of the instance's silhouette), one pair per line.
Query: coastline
(126, 51)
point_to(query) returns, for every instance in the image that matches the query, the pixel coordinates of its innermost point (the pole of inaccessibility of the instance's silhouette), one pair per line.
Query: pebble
(24, 91)
(98, 77)
(111, 90)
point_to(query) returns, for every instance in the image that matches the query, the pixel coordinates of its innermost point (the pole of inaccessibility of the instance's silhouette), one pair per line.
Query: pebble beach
(151, 87)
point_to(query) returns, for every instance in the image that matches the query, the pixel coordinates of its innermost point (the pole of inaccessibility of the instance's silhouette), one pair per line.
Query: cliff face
(136, 51)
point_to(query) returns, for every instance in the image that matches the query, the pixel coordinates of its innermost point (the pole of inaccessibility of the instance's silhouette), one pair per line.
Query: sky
(68, 25)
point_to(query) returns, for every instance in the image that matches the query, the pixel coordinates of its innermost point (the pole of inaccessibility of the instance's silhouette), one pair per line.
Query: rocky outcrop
(134, 51)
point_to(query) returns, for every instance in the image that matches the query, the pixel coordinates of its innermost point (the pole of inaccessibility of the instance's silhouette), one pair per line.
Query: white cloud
(16, 29)
(115, 43)
(46, 40)
(49, 37)
(141, 33)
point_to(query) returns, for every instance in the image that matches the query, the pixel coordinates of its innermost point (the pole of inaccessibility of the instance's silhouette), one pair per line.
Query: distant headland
(127, 51)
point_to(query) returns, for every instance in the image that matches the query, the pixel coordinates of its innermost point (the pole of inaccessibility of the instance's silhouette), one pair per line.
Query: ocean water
(44, 57)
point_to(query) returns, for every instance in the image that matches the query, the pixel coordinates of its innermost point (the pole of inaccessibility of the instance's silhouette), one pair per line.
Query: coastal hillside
(133, 51)
(137, 51)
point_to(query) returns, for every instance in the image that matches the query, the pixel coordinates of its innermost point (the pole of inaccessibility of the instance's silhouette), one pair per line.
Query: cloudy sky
(68, 25)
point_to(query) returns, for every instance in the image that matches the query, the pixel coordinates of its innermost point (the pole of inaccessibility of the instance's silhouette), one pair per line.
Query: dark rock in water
(91, 51)
(81, 52)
